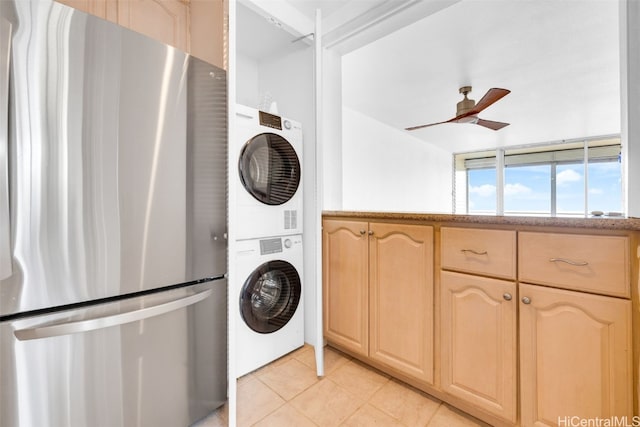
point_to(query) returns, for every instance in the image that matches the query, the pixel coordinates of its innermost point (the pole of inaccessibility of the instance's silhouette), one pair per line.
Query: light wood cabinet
(163, 20)
(194, 26)
(401, 298)
(479, 251)
(575, 356)
(479, 342)
(575, 347)
(598, 264)
(208, 30)
(378, 293)
(106, 9)
(534, 325)
(478, 320)
(345, 254)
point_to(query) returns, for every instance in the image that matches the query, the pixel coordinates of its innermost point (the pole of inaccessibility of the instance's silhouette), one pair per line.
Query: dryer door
(270, 296)
(269, 169)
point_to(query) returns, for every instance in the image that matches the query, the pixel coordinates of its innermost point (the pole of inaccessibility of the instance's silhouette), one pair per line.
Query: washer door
(270, 296)
(269, 169)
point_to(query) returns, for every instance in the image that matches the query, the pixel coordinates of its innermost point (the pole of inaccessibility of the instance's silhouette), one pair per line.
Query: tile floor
(287, 393)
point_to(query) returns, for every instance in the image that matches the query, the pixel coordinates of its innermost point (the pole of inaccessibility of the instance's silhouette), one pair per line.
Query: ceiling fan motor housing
(466, 104)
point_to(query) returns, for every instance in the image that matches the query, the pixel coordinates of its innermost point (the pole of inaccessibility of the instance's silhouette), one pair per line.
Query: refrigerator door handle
(68, 328)
(5, 213)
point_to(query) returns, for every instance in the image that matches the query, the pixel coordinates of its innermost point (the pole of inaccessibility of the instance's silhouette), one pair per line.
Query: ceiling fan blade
(491, 125)
(430, 124)
(492, 95)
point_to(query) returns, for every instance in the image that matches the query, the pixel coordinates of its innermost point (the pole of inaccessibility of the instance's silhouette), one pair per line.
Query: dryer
(269, 305)
(268, 149)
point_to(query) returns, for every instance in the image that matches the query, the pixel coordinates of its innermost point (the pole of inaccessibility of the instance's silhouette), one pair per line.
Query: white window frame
(582, 151)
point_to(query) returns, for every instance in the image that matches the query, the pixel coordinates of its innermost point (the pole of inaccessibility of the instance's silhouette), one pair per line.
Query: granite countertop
(603, 223)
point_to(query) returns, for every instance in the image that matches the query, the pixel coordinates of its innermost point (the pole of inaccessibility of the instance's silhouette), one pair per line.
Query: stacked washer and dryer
(268, 284)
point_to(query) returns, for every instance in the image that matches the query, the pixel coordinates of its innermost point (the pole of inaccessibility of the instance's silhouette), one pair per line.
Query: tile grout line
(300, 356)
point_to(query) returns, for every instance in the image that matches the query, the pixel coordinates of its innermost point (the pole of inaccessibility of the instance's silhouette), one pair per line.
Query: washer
(268, 149)
(270, 320)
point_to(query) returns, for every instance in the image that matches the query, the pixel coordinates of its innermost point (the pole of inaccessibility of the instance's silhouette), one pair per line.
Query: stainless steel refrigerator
(113, 247)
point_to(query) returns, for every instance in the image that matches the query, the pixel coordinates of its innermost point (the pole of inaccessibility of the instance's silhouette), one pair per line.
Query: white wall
(332, 127)
(289, 81)
(247, 91)
(385, 169)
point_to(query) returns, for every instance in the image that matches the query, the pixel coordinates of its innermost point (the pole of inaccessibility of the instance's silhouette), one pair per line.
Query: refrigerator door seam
(68, 328)
(5, 213)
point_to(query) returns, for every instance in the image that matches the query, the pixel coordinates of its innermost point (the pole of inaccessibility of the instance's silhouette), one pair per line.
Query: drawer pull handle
(363, 232)
(526, 300)
(570, 262)
(473, 252)
(507, 296)
(370, 232)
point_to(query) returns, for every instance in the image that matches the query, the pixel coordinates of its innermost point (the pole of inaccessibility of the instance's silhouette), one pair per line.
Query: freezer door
(117, 147)
(154, 361)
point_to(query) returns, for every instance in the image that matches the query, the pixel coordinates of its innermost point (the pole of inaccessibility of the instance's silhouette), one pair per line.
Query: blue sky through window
(527, 189)
(605, 187)
(482, 191)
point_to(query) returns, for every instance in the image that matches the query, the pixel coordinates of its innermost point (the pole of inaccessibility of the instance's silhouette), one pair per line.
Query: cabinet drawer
(597, 264)
(487, 252)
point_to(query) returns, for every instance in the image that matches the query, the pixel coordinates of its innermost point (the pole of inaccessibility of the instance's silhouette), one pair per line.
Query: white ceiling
(328, 7)
(560, 59)
(260, 38)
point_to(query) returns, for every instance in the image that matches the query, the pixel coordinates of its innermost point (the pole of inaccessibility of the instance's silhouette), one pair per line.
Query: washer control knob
(287, 124)
(288, 243)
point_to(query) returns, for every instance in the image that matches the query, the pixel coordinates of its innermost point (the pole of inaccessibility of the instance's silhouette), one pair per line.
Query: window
(550, 180)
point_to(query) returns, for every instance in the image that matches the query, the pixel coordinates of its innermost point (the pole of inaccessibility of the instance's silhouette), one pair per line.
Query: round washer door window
(269, 169)
(270, 296)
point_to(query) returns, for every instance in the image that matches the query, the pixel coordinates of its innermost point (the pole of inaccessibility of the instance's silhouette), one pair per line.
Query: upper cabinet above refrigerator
(195, 26)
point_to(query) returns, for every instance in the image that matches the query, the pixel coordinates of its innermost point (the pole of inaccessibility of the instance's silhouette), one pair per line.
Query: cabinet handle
(363, 232)
(570, 262)
(507, 296)
(473, 252)
(370, 232)
(526, 300)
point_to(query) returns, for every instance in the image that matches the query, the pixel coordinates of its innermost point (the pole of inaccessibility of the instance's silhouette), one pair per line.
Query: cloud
(516, 189)
(596, 191)
(484, 190)
(567, 176)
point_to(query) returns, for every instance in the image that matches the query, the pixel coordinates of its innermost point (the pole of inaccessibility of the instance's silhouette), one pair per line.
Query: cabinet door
(575, 356)
(163, 20)
(345, 269)
(478, 352)
(105, 9)
(401, 299)
(207, 24)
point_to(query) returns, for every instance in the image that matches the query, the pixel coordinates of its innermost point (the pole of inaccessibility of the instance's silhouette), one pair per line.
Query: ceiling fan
(467, 109)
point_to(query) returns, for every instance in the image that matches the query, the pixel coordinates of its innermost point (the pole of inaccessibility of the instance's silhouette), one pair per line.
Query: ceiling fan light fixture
(468, 119)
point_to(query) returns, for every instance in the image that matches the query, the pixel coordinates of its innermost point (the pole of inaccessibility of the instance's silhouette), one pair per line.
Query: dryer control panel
(270, 246)
(276, 245)
(270, 120)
